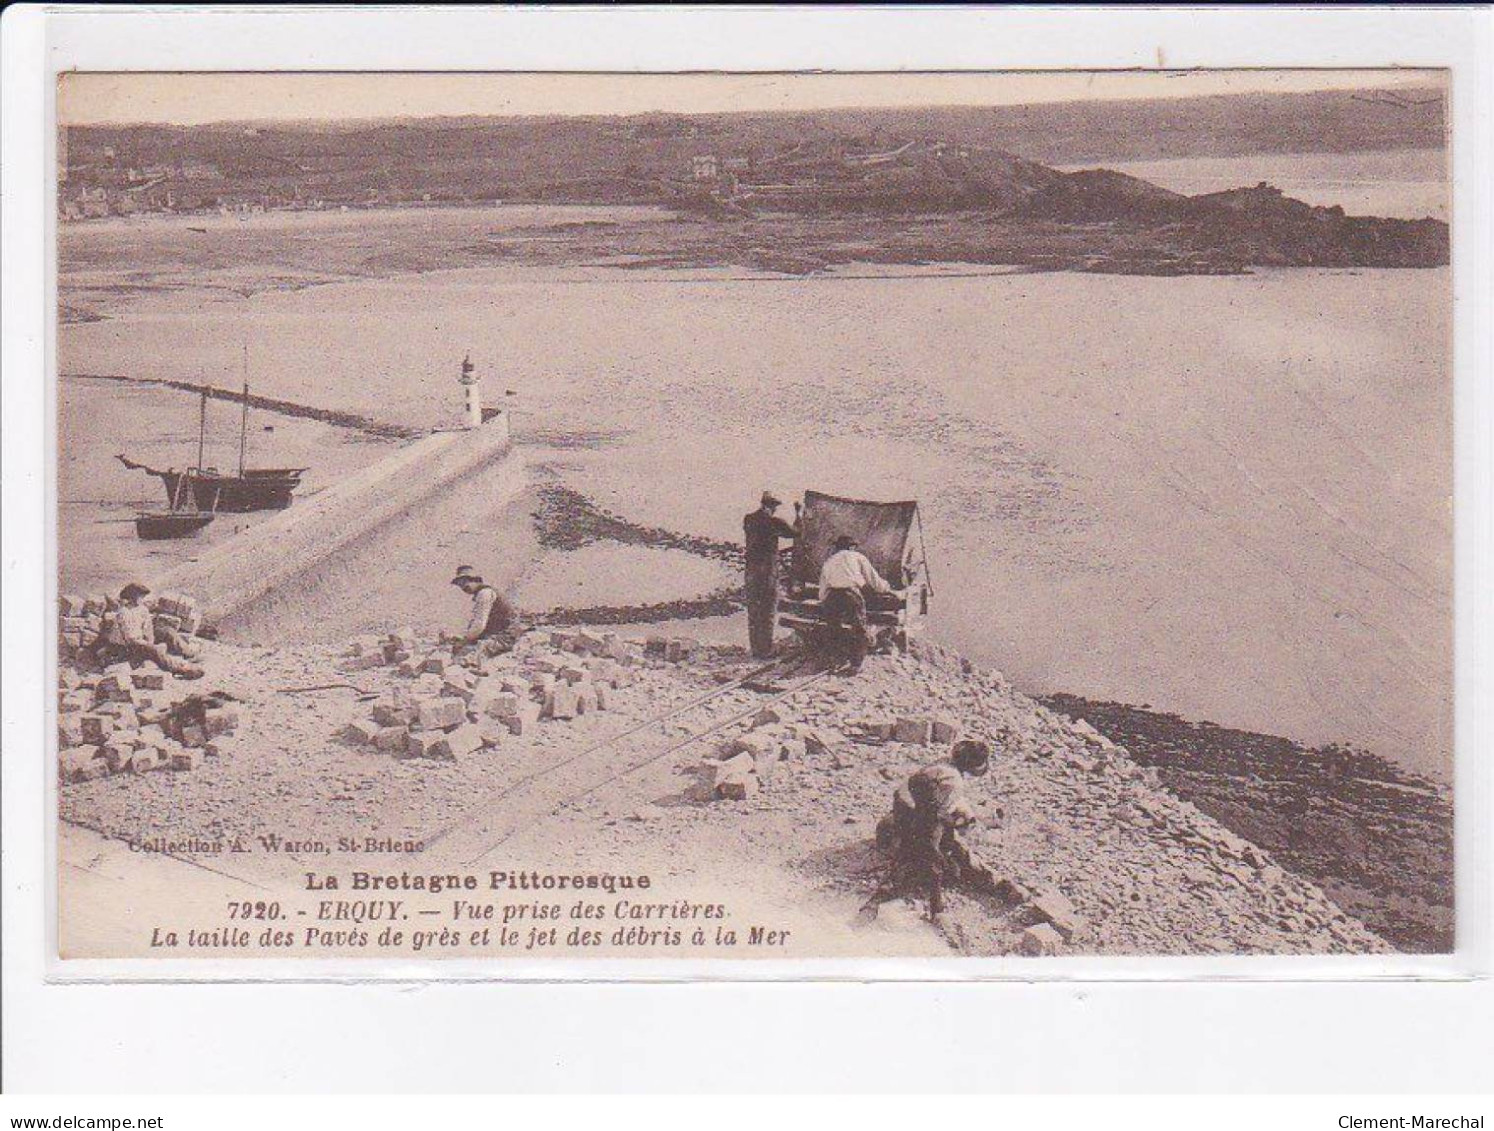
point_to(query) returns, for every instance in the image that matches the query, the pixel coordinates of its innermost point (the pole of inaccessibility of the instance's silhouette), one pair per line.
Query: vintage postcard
(736, 517)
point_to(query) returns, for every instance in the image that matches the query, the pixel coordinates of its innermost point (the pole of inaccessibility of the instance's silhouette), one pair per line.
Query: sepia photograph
(563, 517)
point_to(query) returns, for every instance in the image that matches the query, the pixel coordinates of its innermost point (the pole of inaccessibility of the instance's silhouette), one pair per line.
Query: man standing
(130, 634)
(762, 529)
(922, 833)
(845, 576)
(492, 621)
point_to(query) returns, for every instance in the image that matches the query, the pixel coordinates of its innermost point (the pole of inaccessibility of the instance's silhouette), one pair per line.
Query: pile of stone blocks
(459, 703)
(672, 649)
(80, 619)
(391, 650)
(134, 720)
(746, 763)
(177, 617)
(914, 730)
(175, 612)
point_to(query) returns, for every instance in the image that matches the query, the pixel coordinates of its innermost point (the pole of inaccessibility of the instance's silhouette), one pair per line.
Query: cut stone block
(437, 713)
(360, 731)
(1040, 941)
(736, 786)
(69, 730)
(944, 731)
(586, 698)
(394, 712)
(96, 729)
(590, 643)
(117, 755)
(457, 690)
(524, 720)
(679, 648)
(69, 754)
(81, 763)
(427, 744)
(185, 759)
(1054, 908)
(816, 743)
(115, 687)
(767, 717)
(572, 673)
(502, 705)
(717, 770)
(148, 759)
(392, 739)
(464, 740)
(435, 665)
(913, 730)
(220, 720)
(193, 735)
(149, 680)
(561, 702)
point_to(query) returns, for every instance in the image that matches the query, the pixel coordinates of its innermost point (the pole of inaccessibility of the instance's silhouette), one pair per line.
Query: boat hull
(265, 490)
(160, 527)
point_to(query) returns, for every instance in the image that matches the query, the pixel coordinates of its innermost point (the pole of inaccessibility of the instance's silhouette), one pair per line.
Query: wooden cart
(884, 534)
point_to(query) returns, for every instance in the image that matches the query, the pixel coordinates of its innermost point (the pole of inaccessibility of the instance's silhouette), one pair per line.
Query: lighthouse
(473, 392)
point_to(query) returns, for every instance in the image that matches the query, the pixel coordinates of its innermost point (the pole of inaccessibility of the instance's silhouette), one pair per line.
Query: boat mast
(244, 419)
(202, 425)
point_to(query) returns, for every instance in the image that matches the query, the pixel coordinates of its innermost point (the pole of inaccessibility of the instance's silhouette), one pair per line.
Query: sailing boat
(252, 489)
(180, 521)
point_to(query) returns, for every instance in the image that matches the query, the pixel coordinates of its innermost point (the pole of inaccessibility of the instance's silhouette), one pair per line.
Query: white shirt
(131, 624)
(850, 569)
(482, 605)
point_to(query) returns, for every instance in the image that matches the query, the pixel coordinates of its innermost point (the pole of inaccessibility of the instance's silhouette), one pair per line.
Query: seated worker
(492, 626)
(922, 833)
(129, 633)
(843, 578)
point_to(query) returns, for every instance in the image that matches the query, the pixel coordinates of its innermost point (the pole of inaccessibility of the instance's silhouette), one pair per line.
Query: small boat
(157, 526)
(181, 521)
(251, 489)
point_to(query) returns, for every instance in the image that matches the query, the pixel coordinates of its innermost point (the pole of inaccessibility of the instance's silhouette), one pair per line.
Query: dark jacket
(762, 531)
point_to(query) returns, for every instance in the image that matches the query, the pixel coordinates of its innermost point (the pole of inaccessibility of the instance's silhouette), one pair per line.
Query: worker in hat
(129, 634)
(922, 834)
(491, 625)
(762, 529)
(845, 579)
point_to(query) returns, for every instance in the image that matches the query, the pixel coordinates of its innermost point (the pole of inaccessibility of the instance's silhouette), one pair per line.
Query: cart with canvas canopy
(884, 533)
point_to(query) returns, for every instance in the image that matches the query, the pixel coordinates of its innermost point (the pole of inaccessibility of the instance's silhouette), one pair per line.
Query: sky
(198, 98)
